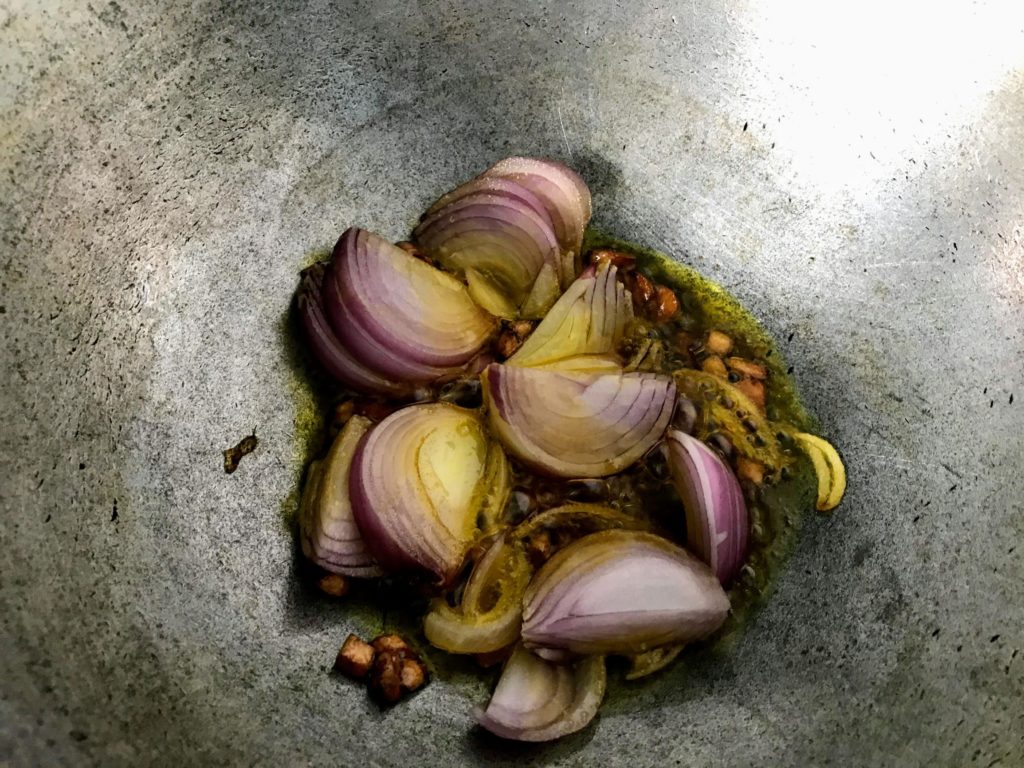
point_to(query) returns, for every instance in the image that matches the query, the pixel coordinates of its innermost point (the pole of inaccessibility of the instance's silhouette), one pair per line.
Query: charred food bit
(355, 658)
(412, 675)
(333, 584)
(234, 455)
(342, 413)
(397, 669)
(667, 304)
(389, 644)
(616, 258)
(512, 336)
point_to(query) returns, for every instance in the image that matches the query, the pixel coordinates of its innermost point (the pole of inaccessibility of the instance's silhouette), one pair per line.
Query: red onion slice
(590, 319)
(564, 194)
(489, 614)
(502, 238)
(339, 363)
(328, 531)
(489, 185)
(543, 294)
(716, 514)
(538, 700)
(420, 479)
(621, 592)
(577, 425)
(399, 315)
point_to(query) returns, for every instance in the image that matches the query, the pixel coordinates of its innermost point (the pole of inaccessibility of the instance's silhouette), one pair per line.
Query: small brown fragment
(667, 303)
(342, 413)
(492, 658)
(749, 469)
(355, 657)
(507, 343)
(522, 328)
(615, 258)
(685, 343)
(718, 343)
(753, 389)
(747, 368)
(539, 547)
(713, 364)
(641, 288)
(234, 455)
(391, 643)
(334, 584)
(413, 675)
(397, 668)
(386, 677)
(375, 410)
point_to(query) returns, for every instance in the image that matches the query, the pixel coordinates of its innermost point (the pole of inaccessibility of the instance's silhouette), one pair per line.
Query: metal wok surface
(853, 172)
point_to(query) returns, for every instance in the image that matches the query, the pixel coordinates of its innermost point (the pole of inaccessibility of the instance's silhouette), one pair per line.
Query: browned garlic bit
(714, 364)
(392, 666)
(333, 584)
(667, 304)
(355, 657)
(616, 258)
(718, 343)
(397, 669)
(413, 675)
(749, 378)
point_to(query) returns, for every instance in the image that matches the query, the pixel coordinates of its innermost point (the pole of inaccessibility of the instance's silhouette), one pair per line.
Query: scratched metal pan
(852, 172)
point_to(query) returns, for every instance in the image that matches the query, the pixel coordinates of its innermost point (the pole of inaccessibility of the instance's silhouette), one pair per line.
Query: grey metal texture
(853, 171)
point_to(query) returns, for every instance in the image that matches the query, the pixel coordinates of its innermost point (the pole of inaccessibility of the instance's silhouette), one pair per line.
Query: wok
(852, 172)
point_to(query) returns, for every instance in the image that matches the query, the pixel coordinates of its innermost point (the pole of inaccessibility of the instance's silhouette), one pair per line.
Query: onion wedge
(489, 615)
(503, 239)
(332, 354)
(537, 700)
(328, 531)
(419, 482)
(577, 425)
(565, 196)
(828, 467)
(590, 319)
(716, 514)
(621, 592)
(399, 316)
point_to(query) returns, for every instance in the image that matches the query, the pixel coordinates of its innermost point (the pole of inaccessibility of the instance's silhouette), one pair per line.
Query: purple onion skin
(623, 431)
(378, 540)
(328, 348)
(621, 592)
(717, 520)
(368, 328)
(494, 185)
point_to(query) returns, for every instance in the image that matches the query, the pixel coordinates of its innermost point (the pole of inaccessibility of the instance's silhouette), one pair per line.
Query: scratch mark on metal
(565, 137)
(905, 263)
(951, 471)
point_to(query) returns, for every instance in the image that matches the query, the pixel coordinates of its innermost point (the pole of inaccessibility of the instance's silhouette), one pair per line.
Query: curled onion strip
(590, 319)
(537, 700)
(328, 531)
(716, 514)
